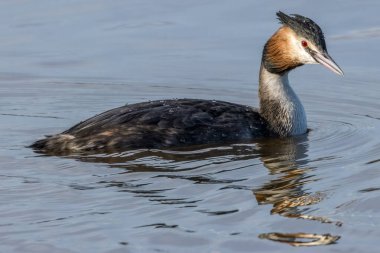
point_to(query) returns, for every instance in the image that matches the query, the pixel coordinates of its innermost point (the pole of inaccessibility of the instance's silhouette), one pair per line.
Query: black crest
(305, 27)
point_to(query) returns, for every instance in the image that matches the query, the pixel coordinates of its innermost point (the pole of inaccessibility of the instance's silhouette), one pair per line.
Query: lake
(65, 61)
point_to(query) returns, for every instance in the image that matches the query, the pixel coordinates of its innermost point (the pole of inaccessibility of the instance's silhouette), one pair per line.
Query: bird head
(299, 41)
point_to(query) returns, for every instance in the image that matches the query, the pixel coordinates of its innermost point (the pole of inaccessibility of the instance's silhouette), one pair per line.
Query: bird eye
(304, 43)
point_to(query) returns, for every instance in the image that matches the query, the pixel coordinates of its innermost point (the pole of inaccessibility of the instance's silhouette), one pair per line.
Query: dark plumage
(304, 27)
(159, 124)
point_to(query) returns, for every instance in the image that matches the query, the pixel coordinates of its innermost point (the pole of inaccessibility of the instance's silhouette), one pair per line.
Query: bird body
(159, 124)
(179, 122)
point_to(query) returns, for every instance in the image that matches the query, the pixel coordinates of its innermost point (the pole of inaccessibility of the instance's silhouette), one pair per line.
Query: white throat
(280, 106)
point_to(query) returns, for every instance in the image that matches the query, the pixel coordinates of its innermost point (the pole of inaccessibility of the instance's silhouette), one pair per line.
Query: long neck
(279, 105)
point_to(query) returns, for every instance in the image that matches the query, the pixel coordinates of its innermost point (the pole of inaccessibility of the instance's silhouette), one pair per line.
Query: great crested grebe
(172, 123)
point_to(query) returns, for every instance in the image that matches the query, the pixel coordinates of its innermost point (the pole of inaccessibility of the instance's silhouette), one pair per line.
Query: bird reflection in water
(286, 159)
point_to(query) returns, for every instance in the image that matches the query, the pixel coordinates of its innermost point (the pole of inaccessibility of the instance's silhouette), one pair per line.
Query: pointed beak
(326, 60)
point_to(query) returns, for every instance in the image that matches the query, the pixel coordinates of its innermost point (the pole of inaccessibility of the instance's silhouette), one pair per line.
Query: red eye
(304, 43)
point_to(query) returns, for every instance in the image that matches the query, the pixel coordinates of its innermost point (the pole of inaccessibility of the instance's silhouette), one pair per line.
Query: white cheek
(301, 53)
(305, 57)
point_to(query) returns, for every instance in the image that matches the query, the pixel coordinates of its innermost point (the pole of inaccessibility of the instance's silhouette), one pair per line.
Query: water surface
(64, 61)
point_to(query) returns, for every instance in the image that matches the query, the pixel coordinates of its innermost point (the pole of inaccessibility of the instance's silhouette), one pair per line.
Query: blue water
(64, 61)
